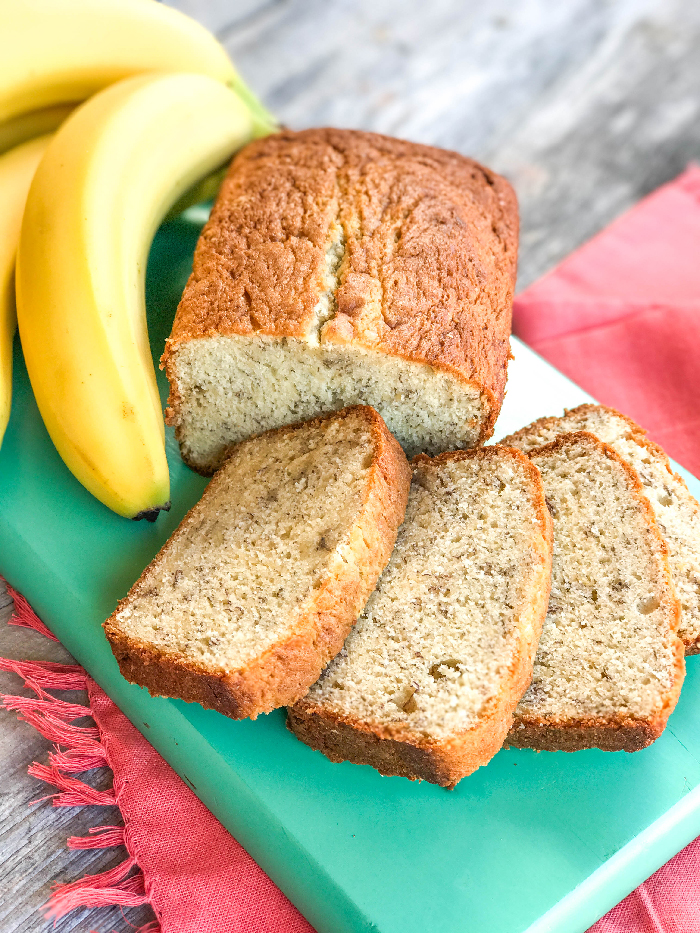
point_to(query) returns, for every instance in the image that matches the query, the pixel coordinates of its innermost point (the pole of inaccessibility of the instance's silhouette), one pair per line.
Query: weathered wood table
(586, 105)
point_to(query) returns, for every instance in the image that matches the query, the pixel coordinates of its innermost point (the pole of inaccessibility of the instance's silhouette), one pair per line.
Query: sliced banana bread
(342, 267)
(609, 665)
(677, 512)
(427, 681)
(259, 586)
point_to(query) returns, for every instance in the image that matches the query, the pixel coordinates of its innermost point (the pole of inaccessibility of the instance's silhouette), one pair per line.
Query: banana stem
(264, 123)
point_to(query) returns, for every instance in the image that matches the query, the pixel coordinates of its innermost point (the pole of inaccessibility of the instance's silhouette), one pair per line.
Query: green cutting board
(537, 842)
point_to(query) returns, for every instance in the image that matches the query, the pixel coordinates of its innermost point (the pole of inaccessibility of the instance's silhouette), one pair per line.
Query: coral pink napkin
(197, 877)
(621, 317)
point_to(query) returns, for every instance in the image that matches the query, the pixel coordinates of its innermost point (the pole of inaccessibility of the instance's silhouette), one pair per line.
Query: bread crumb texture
(261, 582)
(444, 648)
(609, 665)
(676, 511)
(341, 267)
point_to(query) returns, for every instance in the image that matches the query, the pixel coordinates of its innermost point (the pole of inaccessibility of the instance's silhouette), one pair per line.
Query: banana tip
(150, 515)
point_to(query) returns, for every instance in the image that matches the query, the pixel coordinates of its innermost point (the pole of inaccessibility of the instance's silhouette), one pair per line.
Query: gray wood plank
(586, 105)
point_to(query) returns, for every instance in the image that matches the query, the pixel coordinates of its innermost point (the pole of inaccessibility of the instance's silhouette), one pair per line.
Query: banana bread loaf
(341, 267)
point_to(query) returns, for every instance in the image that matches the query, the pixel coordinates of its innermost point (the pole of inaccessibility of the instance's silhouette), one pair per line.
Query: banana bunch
(57, 53)
(105, 182)
(166, 111)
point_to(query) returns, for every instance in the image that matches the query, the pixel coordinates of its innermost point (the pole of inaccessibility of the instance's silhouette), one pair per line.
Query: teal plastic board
(536, 842)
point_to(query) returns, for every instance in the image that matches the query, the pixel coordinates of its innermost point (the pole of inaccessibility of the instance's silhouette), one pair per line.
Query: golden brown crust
(639, 435)
(443, 763)
(393, 749)
(430, 254)
(617, 732)
(637, 432)
(286, 670)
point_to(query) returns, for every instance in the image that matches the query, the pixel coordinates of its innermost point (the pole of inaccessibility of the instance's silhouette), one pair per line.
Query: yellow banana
(17, 169)
(33, 123)
(63, 51)
(108, 176)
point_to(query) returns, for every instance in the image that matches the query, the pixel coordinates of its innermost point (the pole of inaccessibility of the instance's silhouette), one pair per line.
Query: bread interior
(607, 648)
(440, 635)
(675, 510)
(231, 387)
(273, 524)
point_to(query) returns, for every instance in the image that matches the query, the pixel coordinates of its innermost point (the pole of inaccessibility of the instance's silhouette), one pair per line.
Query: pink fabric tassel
(50, 706)
(53, 717)
(50, 719)
(24, 616)
(72, 761)
(106, 889)
(47, 674)
(55, 730)
(72, 792)
(101, 837)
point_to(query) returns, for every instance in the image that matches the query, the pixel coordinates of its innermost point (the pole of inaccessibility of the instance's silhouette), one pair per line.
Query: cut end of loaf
(227, 388)
(260, 584)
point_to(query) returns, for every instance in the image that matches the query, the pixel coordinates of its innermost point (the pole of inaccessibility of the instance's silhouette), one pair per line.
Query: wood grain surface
(586, 105)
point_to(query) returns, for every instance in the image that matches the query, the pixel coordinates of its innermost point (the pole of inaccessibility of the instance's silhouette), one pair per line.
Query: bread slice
(427, 682)
(677, 512)
(341, 267)
(609, 665)
(258, 587)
